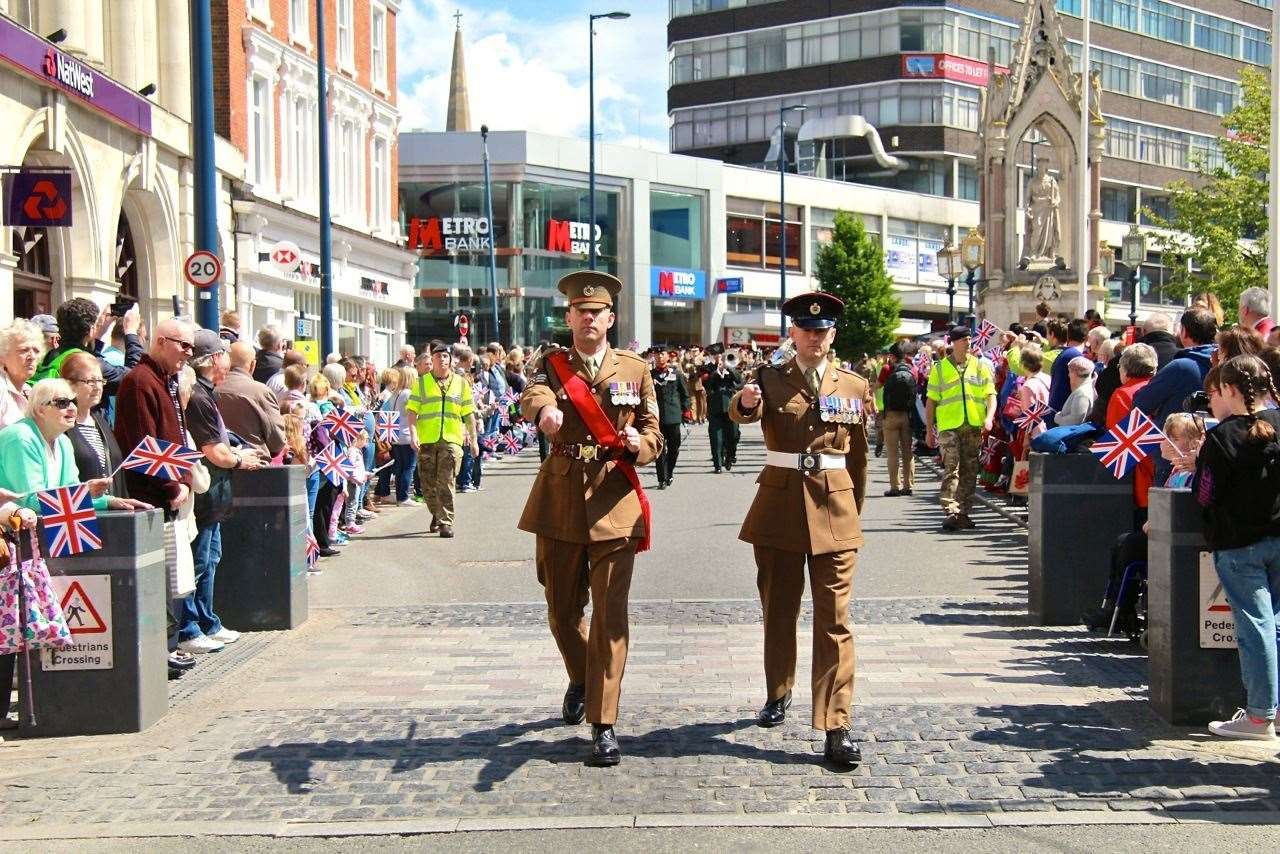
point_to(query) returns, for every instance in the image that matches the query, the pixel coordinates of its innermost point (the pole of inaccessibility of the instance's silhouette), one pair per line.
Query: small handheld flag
(158, 458)
(386, 426)
(70, 524)
(984, 335)
(1128, 443)
(333, 465)
(313, 550)
(990, 446)
(1031, 415)
(343, 425)
(511, 443)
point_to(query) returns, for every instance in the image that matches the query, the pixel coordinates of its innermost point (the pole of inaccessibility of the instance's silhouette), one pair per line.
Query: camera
(121, 306)
(1197, 401)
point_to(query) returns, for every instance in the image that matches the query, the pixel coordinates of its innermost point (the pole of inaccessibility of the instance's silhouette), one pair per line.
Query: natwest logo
(449, 234)
(571, 237)
(68, 72)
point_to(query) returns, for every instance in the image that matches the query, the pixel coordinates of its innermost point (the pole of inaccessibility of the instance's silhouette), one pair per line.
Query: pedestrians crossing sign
(1217, 622)
(86, 605)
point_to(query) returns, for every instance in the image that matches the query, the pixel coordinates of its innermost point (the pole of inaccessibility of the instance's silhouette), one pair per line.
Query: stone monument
(1032, 257)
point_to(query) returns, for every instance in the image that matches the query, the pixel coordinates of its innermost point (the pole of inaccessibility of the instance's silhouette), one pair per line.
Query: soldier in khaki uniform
(585, 506)
(811, 490)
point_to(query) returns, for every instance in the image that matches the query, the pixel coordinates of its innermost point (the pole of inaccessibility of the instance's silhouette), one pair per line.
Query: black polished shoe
(604, 748)
(662, 484)
(774, 712)
(574, 707)
(728, 466)
(716, 469)
(841, 750)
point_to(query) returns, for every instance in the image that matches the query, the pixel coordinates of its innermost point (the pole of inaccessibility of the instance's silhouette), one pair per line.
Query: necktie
(590, 363)
(812, 376)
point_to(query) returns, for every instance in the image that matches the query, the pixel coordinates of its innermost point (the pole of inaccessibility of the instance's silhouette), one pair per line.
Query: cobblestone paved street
(398, 710)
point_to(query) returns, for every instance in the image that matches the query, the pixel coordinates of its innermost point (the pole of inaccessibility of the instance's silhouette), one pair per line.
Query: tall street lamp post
(973, 256)
(591, 128)
(488, 212)
(1134, 251)
(949, 268)
(782, 211)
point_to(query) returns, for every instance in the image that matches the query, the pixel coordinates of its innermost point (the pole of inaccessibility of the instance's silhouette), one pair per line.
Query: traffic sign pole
(206, 177)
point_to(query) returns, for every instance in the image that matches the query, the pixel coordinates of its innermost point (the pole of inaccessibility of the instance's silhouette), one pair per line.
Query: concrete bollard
(115, 679)
(262, 580)
(1076, 511)
(1190, 686)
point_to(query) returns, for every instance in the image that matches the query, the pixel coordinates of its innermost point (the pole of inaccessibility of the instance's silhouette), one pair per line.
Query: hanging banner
(39, 198)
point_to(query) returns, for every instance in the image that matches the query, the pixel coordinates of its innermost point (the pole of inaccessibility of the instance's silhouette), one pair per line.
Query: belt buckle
(810, 463)
(586, 453)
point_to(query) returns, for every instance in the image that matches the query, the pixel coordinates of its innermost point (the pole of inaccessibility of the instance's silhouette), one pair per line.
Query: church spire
(459, 115)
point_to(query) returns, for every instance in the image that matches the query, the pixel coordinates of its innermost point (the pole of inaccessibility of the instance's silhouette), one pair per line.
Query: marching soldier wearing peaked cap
(596, 405)
(806, 510)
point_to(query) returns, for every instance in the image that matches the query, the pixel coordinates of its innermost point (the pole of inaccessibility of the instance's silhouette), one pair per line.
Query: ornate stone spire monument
(1030, 120)
(459, 115)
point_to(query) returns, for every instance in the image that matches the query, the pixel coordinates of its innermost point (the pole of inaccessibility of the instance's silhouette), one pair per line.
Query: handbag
(40, 623)
(1020, 481)
(179, 564)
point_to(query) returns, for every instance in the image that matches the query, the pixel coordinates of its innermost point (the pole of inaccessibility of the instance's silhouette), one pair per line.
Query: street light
(591, 127)
(488, 212)
(973, 256)
(1134, 251)
(1106, 261)
(782, 207)
(949, 268)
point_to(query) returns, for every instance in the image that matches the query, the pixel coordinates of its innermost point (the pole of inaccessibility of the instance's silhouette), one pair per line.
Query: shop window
(675, 230)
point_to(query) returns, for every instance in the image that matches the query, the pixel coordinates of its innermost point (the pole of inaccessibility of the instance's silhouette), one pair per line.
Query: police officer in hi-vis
(596, 406)
(813, 414)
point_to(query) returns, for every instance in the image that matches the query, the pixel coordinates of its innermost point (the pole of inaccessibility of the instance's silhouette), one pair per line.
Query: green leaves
(1224, 206)
(852, 267)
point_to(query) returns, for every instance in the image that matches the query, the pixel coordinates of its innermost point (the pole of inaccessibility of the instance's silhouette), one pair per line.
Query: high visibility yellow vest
(960, 394)
(441, 411)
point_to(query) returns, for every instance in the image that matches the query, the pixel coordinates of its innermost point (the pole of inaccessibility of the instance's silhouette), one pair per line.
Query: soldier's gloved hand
(750, 396)
(549, 420)
(631, 438)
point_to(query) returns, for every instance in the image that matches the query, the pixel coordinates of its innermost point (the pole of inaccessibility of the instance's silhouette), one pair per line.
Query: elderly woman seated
(35, 453)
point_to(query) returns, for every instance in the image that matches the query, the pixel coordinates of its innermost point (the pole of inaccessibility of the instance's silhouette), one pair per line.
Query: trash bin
(1195, 670)
(262, 579)
(115, 679)
(1076, 511)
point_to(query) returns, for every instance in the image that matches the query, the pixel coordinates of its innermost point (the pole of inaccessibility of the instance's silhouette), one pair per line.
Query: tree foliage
(1222, 214)
(852, 267)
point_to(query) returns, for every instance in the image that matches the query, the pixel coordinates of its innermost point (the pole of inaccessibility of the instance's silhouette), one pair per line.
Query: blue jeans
(313, 487)
(1250, 577)
(403, 461)
(197, 616)
(471, 470)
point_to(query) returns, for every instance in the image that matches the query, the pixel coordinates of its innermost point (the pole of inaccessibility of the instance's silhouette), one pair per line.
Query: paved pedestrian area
(427, 716)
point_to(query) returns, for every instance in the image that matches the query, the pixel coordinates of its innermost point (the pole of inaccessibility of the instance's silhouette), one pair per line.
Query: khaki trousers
(699, 407)
(438, 465)
(960, 448)
(780, 579)
(897, 440)
(594, 656)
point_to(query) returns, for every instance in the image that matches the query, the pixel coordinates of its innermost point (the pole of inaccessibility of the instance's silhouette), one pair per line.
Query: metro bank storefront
(652, 235)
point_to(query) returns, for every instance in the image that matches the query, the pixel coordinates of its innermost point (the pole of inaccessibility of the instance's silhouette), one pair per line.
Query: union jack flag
(990, 447)
(509, 398)
(996, 355)
(1128, 443)
(334, 465)
(343, 425)
(511, 443)
(984, 335)
(922, 362)
(313, 550)
(158, 458)
(70, 525)
(1030, 415)
(386, 426)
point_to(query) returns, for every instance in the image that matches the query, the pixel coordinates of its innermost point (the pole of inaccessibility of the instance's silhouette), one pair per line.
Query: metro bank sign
(678, 284)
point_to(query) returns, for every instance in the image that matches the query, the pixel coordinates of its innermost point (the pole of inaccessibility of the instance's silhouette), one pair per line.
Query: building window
(299, 21)
(1117, 204)
(300, 152)
(1159, 205)
(260, 9)
(259, 132)
(753, 234)
(378, 45)
(381, 184)
(346, 33)
(675, 230)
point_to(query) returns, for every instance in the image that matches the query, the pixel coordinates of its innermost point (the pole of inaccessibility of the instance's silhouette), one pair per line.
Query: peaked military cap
(590, 288)
(814, 310)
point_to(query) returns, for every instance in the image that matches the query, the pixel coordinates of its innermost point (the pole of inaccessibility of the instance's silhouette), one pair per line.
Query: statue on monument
(1044, 225)
(1043, 222)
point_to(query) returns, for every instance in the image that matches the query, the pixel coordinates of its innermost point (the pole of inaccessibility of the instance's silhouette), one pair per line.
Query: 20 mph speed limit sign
(202, 269)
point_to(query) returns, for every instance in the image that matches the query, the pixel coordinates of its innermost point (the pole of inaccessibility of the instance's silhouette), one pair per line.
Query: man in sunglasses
(147, 405)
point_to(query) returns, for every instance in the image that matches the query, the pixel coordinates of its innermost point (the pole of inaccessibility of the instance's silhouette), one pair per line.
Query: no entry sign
(202, 269)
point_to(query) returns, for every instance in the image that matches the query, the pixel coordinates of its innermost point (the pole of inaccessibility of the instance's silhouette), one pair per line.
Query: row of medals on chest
(840, 410)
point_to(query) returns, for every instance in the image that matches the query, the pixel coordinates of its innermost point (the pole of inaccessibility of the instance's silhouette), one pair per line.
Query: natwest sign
(571, 237)
(943, 66)
(68, 72)
(449, 234)
(678, 284)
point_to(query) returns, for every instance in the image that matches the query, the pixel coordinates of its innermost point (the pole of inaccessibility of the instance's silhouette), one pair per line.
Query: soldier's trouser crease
(595, 655)
(780, 579)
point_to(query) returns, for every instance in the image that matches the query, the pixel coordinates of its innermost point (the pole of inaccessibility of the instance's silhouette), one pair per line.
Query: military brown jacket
(793, 511)
(588, 502)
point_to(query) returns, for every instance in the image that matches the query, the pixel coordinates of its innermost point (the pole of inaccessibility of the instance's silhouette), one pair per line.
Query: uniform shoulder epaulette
(627, 354)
